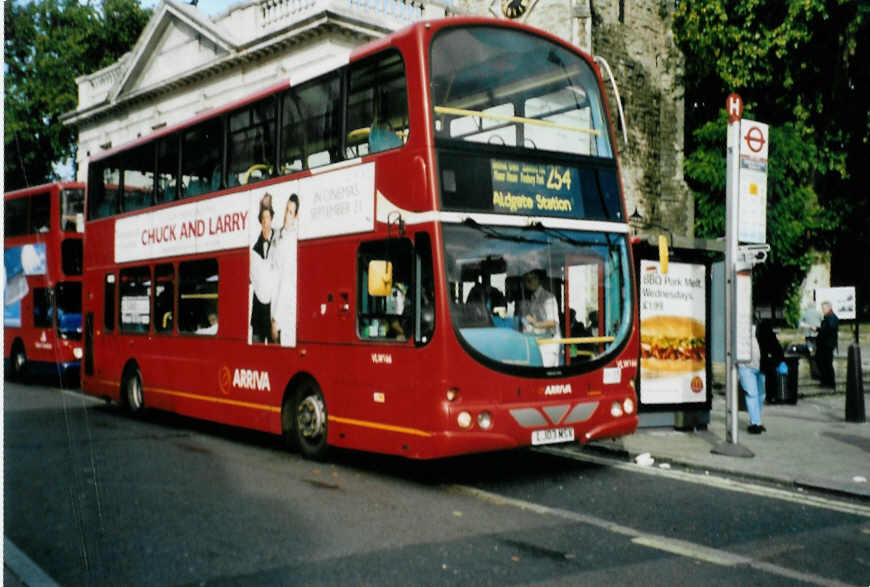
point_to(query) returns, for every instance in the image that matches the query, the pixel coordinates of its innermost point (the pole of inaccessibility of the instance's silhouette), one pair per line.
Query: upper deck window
(15, 217)
(72, 209)
(310, 132)
(252, 135)
(510, 88)
(40, 213)
(377, 109)
(202, 158)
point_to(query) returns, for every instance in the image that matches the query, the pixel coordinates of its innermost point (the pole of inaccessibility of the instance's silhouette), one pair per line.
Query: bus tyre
(133, 396)
(17, 362)
(288, 422)
(311, 421)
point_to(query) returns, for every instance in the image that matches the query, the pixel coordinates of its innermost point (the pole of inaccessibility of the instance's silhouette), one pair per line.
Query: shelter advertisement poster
(673, 333)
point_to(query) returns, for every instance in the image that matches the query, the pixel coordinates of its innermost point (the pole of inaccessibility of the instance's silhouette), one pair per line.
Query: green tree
(800, 66)
(48, 43)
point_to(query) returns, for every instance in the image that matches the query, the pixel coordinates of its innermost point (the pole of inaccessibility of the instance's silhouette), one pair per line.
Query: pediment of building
(177, 40)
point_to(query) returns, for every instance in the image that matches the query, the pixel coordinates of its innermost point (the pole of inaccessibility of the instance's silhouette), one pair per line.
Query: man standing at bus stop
(826, 343)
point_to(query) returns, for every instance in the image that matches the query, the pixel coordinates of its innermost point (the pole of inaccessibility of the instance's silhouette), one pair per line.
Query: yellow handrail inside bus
(246, 176)
(575, 340)
(520, 119)
(358, 135)
(202, 296)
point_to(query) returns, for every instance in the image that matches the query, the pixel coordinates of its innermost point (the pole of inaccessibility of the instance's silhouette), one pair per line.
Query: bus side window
(40, 213)
(138, 168)
(135, 299)
(251, 154)
(43, 315)
(103, 182)
(164, 297)
(15, 217)
(202, 158)
(167, 169)
(109, 302)
(377, 110)
(386, 311)
(198, 297)
(312, 120)
(292, 134)
(424, 288)
(71, 255)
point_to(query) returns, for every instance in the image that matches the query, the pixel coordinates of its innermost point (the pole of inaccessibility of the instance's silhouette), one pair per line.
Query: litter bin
(785, 387)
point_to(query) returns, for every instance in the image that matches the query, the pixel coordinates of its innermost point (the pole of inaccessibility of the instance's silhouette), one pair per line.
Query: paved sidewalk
(808, 444)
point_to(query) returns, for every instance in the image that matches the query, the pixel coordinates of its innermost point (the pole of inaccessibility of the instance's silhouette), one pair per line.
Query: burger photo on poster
(672, 345)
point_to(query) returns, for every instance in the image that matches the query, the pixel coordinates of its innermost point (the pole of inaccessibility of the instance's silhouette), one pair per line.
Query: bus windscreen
(509, 88)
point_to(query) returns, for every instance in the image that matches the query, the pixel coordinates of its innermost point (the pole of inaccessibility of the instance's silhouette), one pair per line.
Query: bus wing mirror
(380, 278)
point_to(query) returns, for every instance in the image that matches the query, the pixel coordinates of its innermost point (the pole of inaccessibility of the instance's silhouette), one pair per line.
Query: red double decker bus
(42, 258)
(422, 252)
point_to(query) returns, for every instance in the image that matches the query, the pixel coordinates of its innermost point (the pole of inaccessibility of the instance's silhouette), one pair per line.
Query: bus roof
(415, 30)
(62, 185)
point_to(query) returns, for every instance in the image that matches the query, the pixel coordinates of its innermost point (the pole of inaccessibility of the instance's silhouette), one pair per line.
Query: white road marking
(674, 546)
(719, 483)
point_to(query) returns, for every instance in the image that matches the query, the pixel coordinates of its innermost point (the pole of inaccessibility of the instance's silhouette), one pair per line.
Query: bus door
(102, 352)
(584, 298)
(394, 320)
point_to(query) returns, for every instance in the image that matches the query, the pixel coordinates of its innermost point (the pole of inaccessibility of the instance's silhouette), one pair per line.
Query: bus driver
(541, 316)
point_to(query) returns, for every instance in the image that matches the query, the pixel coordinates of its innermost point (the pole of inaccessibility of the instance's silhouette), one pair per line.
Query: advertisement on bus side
(269, 221)
(18, 263)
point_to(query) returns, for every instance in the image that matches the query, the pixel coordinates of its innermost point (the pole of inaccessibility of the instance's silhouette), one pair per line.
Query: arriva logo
(563, 389)
(252, 380)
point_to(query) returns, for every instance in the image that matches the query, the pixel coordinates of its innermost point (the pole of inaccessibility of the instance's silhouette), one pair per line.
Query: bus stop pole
(731, 447)
(732, 181)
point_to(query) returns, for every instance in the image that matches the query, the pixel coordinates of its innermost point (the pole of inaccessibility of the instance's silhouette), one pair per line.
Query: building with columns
(186, 62)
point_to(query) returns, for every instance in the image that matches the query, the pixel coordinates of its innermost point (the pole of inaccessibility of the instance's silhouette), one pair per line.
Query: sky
(210, 7)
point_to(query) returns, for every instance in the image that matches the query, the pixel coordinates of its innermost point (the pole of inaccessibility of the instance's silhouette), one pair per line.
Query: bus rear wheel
(17, 362)
(133, 396)
(311, 422)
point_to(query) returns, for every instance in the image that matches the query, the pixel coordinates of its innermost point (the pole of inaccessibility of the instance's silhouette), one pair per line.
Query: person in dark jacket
(772, 355)
(826, 343)
(771, 351)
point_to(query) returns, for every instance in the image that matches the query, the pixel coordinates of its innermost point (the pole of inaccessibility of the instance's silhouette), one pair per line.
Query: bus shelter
(678, 330)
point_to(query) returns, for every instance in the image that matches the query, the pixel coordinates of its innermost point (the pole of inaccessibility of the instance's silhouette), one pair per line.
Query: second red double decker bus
(42, 259)
(423, 252)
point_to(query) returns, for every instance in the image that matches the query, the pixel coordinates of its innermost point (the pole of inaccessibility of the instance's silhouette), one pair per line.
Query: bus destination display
(534, 189)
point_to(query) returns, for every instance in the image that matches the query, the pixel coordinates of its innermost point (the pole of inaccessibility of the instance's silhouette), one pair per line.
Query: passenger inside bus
(212, 326)
(400, 311)
(485, 300)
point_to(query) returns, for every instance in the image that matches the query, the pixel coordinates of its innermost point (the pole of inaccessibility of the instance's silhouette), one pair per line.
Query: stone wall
(636, 39)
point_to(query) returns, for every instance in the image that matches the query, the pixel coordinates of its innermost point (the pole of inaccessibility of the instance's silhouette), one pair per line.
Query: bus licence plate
(552, 436)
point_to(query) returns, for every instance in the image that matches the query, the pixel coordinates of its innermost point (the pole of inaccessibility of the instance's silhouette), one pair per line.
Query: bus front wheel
(311, 421)
(133, 396)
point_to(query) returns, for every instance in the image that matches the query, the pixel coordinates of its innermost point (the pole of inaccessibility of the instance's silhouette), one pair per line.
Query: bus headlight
(616, 410)
(77, 352)
(628, 405)
(484, 420)
(464, 420)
